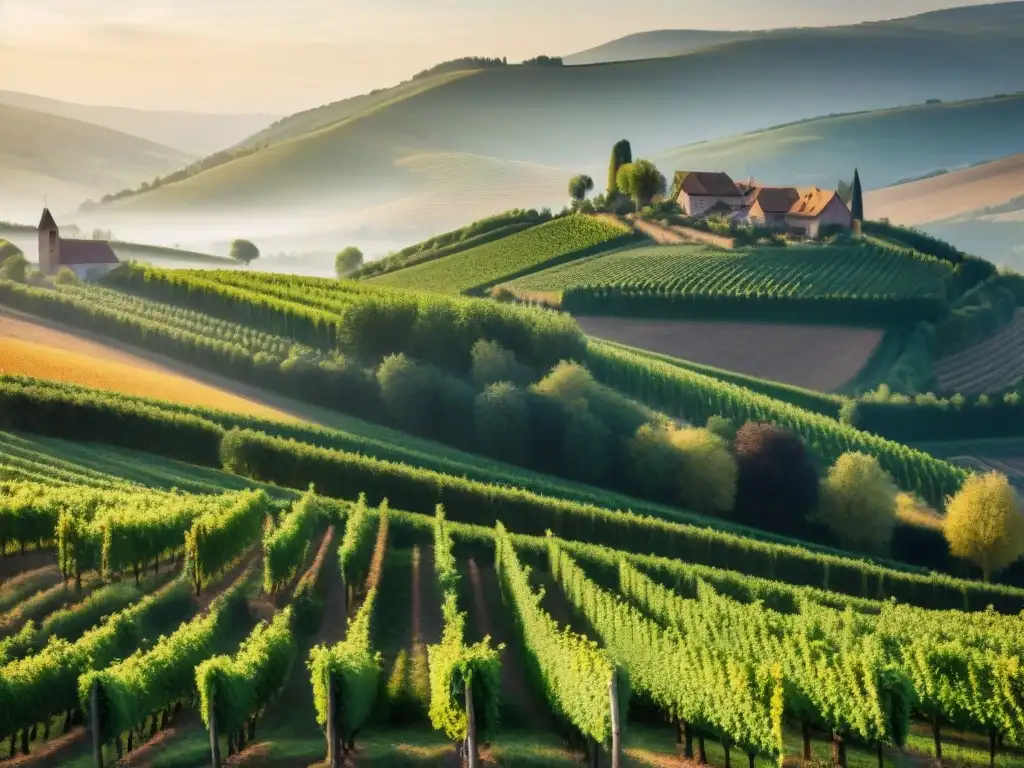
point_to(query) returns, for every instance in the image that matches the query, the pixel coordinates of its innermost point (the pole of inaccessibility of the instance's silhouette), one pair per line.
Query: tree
(244, 252)
(502, 422)
(14, 268)
(640, 181)
(349, 260)
(857, 198)
(579, 186)
(8, 249)
(65, 276)
(984, 523)
(778, 486)
(493, 363)
(622, 153)
(858, 503)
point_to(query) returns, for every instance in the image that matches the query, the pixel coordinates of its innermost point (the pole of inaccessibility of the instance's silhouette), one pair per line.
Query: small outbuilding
(89, 259)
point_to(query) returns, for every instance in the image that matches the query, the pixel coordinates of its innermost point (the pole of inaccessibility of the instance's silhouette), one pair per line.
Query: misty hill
(889, 146)
(42, 155)
(657, 44)
(189, 132)
(434, 155)
(997, 19)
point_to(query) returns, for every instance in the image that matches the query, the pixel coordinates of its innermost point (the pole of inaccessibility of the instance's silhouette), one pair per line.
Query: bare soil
(13, 564)
(821, 358)
(988, 366)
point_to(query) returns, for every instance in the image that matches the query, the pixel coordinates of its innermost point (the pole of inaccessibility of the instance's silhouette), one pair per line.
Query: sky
(281, 56)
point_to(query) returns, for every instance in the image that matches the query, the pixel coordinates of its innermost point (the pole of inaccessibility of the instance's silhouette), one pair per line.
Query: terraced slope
(523, 252)
(986, 367)
(794, 272)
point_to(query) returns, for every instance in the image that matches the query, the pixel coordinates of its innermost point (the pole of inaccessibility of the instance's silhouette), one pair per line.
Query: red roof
(706, 183)
(79, 252)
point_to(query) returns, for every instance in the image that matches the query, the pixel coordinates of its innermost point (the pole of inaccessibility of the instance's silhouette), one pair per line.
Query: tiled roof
(776, 199)
(813, 201)
(79, 252)
(706, 183)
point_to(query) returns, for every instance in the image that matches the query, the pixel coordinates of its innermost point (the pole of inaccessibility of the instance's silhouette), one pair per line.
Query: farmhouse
(800, 211)
(86, 258)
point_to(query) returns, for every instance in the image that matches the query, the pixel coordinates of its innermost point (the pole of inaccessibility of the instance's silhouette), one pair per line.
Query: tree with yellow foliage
(858, 503)
(984, 523)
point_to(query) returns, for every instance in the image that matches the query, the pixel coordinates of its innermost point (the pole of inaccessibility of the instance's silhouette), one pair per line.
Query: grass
(792, 272)
(539, 247)
(39, 359)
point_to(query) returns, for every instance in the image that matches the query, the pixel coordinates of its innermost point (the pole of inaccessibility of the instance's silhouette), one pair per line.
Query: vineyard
(990, 366)
(843, 283)
(539, 247)
(612, 653)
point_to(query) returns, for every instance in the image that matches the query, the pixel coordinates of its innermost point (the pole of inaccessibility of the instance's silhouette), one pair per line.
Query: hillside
(190, 133)
(422, 162)
(65, 160)
(656, 44)
(888, 146)
(950, 195)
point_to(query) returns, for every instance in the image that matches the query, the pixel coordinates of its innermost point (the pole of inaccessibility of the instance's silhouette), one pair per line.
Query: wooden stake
(472, 753)
(333, 745)
(94, 718)
(613, 698)
(214, 740)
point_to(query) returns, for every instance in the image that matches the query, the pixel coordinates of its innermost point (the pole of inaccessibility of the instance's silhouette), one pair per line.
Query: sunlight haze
(271, 56)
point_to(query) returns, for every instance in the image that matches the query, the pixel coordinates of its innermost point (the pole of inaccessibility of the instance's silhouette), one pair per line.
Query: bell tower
(49, 244)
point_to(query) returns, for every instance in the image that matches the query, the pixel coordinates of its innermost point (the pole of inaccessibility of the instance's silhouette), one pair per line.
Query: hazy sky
(285, 55)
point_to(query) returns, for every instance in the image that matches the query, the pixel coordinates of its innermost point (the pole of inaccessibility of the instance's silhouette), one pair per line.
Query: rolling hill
(398, 161)
(189, 132)
(888, 146)
(656, 44)
(65, 160)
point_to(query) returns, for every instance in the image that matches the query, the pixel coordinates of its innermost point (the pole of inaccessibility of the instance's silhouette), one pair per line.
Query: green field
(509, 257)
(793, 272)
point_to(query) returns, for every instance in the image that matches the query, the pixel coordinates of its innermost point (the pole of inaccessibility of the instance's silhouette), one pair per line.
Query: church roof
(47, 221)
(75, 253)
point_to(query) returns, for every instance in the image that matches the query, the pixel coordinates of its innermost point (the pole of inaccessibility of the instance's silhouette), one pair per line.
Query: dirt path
(521, 706)
(22, 586)
(13, 564)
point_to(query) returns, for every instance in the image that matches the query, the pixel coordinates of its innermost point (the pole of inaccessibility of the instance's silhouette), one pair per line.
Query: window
(53, 239)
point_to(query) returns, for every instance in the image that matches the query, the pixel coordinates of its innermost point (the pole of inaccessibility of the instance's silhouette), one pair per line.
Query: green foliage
(859, 284)
(353, 665)
(216, 540)
(356, 551)
(72, 622)
(857, 198)
(622, 154)
(858, 503)
(695, 398)
(576, 673)
(501, 417)
(39, 687)
(285, 545)
(686, 675)
(641, 181)
(14, 268)
(308, 601)
(237, 688)
(478, 233)
(453, 665)
(579, 186)
(976, 315)
(149, 681)
(493, 363)
(543, 246)
(244, 251)
(22, 643)
(65, 276)
(8, 249)
(908, 237)
(692, 466)
(984, 523)
(348, 261)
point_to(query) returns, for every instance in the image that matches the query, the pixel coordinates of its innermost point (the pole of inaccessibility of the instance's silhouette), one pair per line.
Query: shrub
(347, 261)
(502, 423)
(984, 523)
(493, 363)
(689, 466)
(723, 427)
(777, 486)
(244, 251)
(407, 389)
(8, 249)
(858, 503)
(65, 276)
(14, 268)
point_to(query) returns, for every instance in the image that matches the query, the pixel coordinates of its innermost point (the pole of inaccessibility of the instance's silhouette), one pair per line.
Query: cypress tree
(857, 201)
(622, 154)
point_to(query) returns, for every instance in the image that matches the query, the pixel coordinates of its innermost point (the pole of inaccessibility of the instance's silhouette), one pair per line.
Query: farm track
(24, 584)
(988, 366)
(821, 358)
(13, 564)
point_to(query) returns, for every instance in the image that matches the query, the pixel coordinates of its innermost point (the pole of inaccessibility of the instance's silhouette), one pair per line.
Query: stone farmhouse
(86, 258)
(801, 211)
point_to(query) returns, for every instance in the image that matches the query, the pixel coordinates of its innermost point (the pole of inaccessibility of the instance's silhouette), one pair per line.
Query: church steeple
(49, 244)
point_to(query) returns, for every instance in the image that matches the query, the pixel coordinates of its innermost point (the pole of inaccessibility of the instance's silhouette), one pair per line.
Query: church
(86, 258)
